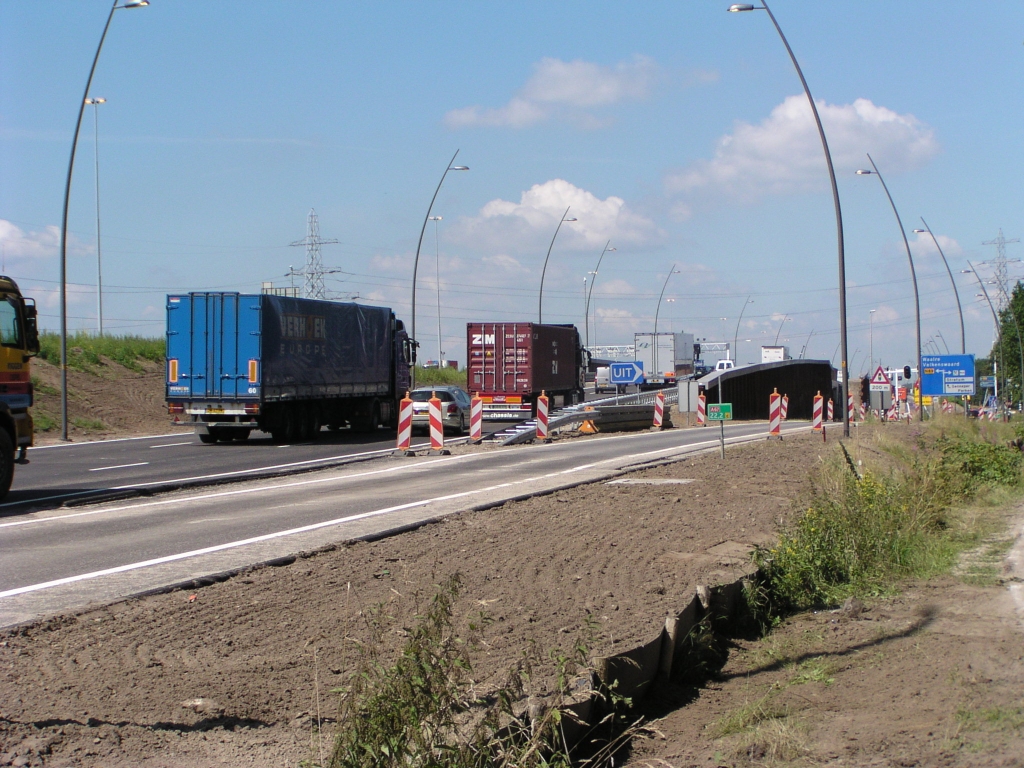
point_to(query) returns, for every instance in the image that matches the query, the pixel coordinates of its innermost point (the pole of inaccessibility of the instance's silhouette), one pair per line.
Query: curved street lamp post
(913, 276)
(779, 332)
(959, 309)
(540, 295)
(419, 245)
(437, 283)
(739, 7)
(64, 222)
(736, 335)
(95, 103)
(657, 311)
(586, 310)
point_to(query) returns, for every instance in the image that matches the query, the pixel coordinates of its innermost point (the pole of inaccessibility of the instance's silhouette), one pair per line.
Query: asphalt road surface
(69, 472)
(63, 559)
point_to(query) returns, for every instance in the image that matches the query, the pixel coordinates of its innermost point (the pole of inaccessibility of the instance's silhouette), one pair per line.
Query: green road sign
(719, 411)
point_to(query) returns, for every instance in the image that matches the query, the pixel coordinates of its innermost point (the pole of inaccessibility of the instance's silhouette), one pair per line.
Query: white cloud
(566, 89)
(782, 154)
(22, 249)
(18, 244)
(924, 246)
(531, 222)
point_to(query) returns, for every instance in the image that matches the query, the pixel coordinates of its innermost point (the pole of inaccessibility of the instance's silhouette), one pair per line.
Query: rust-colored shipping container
(511, 363)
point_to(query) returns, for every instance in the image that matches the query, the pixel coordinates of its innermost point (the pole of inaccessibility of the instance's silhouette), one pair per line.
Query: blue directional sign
(947, 375)
(626, 373)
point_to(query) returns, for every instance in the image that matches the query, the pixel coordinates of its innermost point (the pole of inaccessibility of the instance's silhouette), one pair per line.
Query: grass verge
(85, 350)
(426, 377)
(917, 504)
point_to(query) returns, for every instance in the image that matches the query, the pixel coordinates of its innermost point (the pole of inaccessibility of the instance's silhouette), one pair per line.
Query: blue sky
(676, 130)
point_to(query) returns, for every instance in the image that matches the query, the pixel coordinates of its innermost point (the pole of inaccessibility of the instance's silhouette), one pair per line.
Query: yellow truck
(19, 342)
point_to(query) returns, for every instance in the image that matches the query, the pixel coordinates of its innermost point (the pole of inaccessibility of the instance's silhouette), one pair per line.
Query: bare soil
(111, 401)
(239, 672)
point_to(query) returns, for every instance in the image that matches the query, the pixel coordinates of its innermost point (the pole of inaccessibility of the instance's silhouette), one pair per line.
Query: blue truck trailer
(286, 366)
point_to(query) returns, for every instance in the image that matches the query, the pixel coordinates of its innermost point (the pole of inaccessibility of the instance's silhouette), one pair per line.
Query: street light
(540, 296)
(963, 341)
(739, 7)
(784, 319)
(64, 223)
(586, 312)
(99, 262)
(871, 340)
(999, 327)
(437, 281)
(736, 335)
(913, 276)
(416, 263)
(668, 277)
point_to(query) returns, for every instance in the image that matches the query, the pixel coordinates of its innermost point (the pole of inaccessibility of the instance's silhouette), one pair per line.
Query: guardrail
(575, 414)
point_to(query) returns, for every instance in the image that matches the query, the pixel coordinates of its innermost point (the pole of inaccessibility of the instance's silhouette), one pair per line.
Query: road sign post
(720, 412)
(626, 373)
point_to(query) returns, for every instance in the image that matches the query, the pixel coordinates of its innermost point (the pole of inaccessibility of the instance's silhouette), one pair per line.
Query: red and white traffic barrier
(785, 407)
(816, 413)
(476, 418)
(775, 414)
(436, 424)
(659, 409)
(702, 410)
(851, 413)
(542, 417)
(405, 423)
(863, 411)
(831, 410)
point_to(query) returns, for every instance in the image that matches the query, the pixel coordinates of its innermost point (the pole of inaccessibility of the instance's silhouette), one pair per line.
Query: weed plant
(903, 517)
(426, 377)
(86, 350)
(421, 710)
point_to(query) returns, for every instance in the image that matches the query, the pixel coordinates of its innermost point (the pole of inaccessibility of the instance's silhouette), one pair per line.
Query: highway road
(73, 472)
(63, 559)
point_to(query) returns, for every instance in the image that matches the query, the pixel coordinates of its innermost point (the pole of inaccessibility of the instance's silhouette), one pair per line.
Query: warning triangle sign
(880, 377)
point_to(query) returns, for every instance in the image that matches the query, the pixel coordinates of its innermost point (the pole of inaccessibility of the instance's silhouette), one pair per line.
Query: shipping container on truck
(510, 364)
(666, 363)
(286, 366)
(19, 341)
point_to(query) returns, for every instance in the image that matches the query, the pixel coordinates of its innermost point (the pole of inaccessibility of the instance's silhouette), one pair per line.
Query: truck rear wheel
(368, 420)
(6, 462)
(211, 435)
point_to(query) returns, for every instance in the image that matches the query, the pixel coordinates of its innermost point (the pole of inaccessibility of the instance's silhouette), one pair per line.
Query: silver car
(454, 407)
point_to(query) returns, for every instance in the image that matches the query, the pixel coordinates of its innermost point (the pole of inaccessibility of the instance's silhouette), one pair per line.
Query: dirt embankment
(110, 401)
(229, 674)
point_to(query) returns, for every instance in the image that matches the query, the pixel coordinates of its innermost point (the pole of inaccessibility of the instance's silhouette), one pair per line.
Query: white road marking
(97, 442)
(120, 466)
(171, 445)
(421, 467)
(240, 472)
(315, 526)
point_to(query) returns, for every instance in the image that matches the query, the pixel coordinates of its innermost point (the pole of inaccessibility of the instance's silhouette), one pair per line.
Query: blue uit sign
(947, 375)
(626, 373)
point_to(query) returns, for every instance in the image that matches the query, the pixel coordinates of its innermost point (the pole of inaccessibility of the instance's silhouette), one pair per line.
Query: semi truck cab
(19, 342)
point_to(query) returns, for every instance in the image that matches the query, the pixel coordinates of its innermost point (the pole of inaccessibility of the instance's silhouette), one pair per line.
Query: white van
(724, 365)
(603, 380)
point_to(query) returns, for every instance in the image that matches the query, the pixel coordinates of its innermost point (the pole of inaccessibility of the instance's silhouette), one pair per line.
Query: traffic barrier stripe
(702, 407)
(405, 423)
(436, 424)
(775, 413)
(476, 418)
(542, 417)
(816, 419)
(659, 409)
(785, 407)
